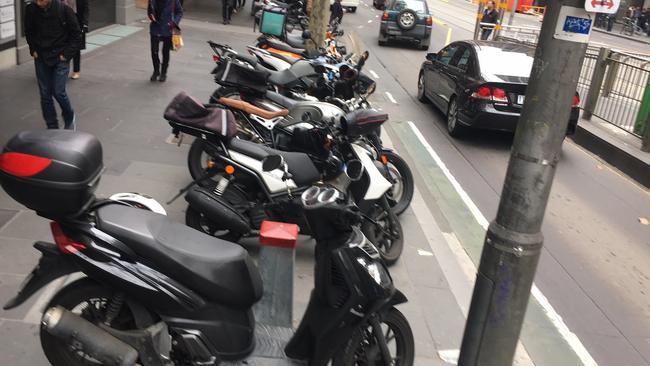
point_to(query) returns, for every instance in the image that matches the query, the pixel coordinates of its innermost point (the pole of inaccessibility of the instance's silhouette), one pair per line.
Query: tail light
(576, 101)
(23, 165)
(385, 16)
(490, 93)
(429, 20)
(65, 244)
(216, 58)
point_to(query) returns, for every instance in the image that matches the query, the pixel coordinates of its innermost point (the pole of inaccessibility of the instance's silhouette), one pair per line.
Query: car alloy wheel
(454, 128)
(421, 94)
(407, 20)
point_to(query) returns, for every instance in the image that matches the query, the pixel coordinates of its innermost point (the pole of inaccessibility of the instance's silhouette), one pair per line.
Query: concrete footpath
(115, 101)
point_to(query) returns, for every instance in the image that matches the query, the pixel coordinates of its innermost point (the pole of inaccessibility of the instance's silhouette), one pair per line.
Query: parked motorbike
(158, 293)
(244, 195)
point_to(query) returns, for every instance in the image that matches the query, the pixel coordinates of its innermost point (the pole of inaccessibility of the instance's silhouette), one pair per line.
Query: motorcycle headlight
(376, 271)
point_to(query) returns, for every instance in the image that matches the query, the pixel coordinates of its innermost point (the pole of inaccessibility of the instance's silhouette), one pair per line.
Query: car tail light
(65, 244)
(489, 93)
(576, 101)
(23, 165)
(429, 21)
(216, 58)
(385, 16)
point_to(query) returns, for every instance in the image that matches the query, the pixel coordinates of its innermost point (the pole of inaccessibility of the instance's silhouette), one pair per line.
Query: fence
(613, 85)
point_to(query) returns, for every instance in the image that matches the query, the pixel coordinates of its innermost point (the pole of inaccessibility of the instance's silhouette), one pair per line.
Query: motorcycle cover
(185, 110)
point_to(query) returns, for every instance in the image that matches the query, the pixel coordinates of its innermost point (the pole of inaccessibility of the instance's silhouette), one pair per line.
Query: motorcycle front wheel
(91, 301)
(401, 193)
(383, 229)
(363, 346)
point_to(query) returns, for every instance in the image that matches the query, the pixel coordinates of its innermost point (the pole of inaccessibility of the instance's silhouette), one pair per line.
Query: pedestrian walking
(491, 16)
(227, 8)
(54, 37)
(336, 11)
(165, 16)
(610, 21)
(80, 8)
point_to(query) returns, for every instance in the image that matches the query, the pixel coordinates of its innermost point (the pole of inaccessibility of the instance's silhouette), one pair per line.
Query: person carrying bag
(165, 16)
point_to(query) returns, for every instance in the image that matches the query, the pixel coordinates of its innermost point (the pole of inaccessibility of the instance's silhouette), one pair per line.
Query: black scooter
(159, 293)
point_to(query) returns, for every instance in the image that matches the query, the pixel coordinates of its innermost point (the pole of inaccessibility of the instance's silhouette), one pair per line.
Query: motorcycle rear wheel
(401, 193)
(90, 300)
(363, 348)
(385, 233)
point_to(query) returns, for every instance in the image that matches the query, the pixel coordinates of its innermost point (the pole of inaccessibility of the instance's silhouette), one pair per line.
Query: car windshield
(417, 6)
(502, 62)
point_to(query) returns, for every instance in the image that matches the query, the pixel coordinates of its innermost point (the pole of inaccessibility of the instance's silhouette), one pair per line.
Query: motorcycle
(244, 195)
(158, 293)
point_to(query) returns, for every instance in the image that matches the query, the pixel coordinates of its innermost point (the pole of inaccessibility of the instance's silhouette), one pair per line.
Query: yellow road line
(439, 22)
(448, 40)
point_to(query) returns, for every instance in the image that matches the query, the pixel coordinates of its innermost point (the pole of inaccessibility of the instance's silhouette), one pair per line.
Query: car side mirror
(272, 162)
(432, 56)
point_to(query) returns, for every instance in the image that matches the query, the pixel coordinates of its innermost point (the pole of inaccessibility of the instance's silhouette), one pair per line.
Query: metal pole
(514, 241)
(479, 15)
(512, 12)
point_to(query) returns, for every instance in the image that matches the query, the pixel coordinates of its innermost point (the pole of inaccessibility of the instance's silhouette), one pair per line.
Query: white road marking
(425, 253)
(361, 26)
(570, 337)
(390, 97)
(449, 355)
(370, 21)
(374, 74)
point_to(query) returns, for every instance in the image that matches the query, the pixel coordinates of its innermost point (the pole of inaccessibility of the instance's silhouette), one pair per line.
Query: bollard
(276, 264)
(596, 82)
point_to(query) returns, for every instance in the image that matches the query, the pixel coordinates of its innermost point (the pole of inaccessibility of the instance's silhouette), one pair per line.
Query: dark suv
(406, 20)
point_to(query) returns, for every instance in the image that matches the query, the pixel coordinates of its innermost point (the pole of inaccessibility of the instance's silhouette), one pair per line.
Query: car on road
(406, 20)
(349, 5)
(481, 84)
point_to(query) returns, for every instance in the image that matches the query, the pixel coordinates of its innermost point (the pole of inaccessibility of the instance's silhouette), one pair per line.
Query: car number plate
(520, 99)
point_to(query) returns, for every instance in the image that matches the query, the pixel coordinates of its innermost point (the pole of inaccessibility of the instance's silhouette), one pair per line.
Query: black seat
(282, 46)
(300, 165)
(288, 76)
(220, 271)
(295, 40)
(281, 99)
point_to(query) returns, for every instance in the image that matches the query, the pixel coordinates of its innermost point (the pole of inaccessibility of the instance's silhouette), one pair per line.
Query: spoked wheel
(422, 96)
(384, 230)
(363, 349)
(401, 192)
(91, 301)
(454, 128)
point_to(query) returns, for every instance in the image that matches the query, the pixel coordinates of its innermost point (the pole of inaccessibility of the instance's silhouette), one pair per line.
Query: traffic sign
(602, 6)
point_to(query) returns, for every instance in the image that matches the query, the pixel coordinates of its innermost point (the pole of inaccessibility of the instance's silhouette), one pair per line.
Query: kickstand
(208, 174)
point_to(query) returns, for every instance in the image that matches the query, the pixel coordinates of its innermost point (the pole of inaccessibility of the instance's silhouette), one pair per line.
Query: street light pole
(514, 241)
(512, 12)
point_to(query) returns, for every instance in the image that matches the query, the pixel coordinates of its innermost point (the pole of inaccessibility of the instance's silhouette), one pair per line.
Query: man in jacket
(165, 16)
(491, 16)
(54, 37)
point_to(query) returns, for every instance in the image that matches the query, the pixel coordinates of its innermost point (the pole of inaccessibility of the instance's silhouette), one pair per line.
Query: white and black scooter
(244, 195)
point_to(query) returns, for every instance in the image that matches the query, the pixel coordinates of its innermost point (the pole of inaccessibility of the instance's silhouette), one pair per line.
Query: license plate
(520, 99)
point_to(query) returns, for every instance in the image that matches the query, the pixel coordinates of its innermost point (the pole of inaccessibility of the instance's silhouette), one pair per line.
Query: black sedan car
(481, 84)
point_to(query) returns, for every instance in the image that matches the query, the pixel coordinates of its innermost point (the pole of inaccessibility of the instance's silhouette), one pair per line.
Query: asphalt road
(594, 267)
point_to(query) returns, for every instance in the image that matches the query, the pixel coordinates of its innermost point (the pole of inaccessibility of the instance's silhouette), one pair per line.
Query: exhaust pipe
(217, 210)
(95, 342)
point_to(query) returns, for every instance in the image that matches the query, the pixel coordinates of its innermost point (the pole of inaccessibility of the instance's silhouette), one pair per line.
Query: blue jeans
(51, 83)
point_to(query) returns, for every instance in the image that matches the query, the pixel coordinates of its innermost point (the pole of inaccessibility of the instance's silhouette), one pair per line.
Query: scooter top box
(53, 172)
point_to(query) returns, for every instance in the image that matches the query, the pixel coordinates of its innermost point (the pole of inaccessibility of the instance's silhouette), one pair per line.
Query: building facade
(13, 46)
